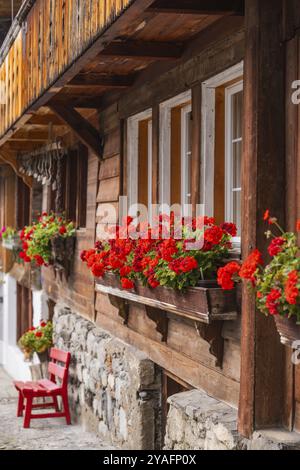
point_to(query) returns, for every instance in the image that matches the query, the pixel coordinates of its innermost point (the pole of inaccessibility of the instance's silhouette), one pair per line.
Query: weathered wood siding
(55, 33)
(292, 378)
(185, 354)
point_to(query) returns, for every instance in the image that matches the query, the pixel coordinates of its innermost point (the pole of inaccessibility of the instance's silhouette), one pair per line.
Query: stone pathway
(52, 434)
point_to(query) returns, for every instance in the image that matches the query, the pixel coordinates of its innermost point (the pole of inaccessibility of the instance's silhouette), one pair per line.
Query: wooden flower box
(202, 304)
(62, 253)
(288, 330)
(207, 307)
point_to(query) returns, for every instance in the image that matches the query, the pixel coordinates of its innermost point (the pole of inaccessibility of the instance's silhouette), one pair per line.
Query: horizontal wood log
(196, 7)
(95, 80)
(214, 382)
(142, 49)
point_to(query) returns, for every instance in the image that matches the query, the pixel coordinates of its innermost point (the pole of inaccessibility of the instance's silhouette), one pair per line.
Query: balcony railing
(43, 44)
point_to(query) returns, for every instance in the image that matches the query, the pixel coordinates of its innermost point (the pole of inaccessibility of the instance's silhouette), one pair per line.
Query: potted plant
(276, 283)
(37, 340)
(49, 241)
(172, 265)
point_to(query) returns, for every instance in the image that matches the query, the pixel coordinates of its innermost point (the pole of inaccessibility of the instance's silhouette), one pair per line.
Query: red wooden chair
(47, 388)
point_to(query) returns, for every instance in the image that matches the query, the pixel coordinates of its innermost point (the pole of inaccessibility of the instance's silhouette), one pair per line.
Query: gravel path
(45, 434)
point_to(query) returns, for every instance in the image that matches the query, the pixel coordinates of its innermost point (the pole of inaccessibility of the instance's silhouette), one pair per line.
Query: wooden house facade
(178, 102)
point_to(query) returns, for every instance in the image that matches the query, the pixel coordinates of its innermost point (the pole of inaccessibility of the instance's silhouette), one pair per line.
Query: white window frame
(185, 177)
(229, 92)
(165, 144)
(209, 132)
(133, 155)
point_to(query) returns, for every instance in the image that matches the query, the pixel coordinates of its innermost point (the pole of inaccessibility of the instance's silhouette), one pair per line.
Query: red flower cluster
(291, 290)
(273, 301)
(226, 275)
(276, 246)
(154, 258)
(250, 265)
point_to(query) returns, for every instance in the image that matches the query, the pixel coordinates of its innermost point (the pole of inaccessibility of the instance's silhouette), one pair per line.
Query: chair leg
(20, 405)
(28, 410)
(55, 401)
(66, 407)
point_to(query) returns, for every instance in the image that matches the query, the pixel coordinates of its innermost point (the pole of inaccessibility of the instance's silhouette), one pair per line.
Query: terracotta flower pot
(288, 329)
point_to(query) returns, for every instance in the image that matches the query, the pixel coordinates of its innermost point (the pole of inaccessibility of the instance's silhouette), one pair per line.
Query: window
(175, 150)
(74, 180)
(233, 153)
(139, 165)
(222, 111)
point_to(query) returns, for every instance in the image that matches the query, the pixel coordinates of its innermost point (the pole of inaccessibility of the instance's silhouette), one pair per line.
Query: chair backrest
(57, 370)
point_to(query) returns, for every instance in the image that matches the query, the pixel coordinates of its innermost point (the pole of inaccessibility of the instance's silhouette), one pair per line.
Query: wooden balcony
(53, 35)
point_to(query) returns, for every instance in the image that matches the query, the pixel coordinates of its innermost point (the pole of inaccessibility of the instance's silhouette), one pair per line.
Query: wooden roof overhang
(79, 60)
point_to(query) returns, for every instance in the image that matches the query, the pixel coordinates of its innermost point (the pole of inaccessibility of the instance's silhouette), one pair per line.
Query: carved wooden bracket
(122, 305)
(160, 319)
(212, 334)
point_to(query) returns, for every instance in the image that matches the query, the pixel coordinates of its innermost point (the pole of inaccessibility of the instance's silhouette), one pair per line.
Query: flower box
(62, 253)
(288, 329)
(12, 243)
(201, 304)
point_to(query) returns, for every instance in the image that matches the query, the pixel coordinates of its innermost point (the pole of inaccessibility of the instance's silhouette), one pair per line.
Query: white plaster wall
(12, 356)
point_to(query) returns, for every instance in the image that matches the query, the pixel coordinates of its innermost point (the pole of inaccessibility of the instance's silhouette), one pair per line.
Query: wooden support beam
(9, 157)
(100, 80)
(144, 50)
(263, 183)
(85, 132)
(198, 7)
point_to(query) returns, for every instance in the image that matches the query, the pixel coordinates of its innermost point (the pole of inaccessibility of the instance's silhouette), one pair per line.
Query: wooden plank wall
(292, 381)
(56, 33)
(185, 354)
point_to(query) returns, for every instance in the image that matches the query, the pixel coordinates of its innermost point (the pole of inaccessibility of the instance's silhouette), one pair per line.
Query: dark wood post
(263, 176)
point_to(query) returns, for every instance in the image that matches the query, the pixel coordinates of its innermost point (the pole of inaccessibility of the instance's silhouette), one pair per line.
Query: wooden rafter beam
(198, 7)
(45, 120)
(82, 128)
(100, 80)
(144, 50)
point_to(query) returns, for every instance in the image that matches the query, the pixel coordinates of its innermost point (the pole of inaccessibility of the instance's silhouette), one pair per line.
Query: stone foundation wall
(199, 422)
(114, 389)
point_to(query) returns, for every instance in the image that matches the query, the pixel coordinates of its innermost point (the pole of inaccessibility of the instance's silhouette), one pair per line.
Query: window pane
(237, 210)
(237, 111)
(187, 156)
(236, 164)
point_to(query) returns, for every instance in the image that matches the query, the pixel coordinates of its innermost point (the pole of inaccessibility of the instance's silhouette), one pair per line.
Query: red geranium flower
(229, 228)
(43, 324)
(98, 269)
(272, 302)
(22, 255)
(39, 334)
(276, 246)
(291, 290)
(213, 235)
(226, 274)
(250, 265)
(62, 230)
(127, 283)
(39, 260)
